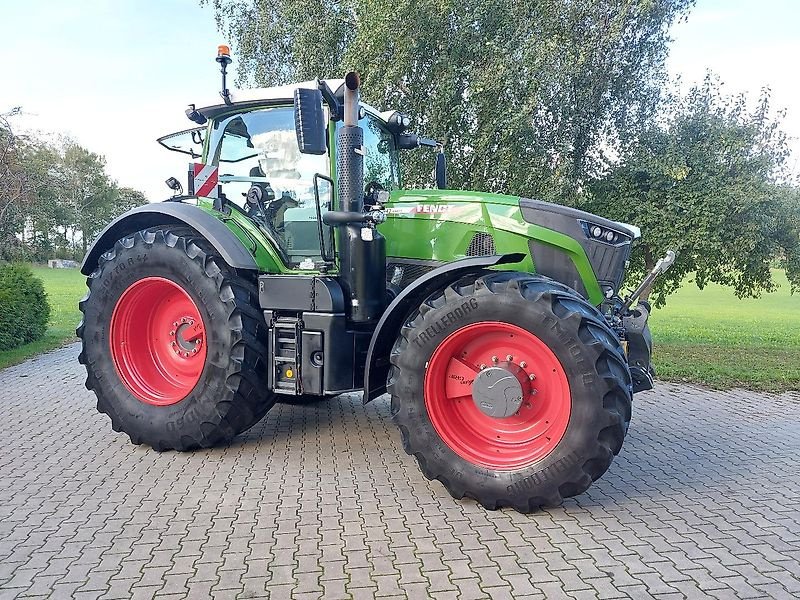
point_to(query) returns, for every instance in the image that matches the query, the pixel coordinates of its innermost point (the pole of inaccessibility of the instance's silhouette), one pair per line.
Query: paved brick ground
(321, 501)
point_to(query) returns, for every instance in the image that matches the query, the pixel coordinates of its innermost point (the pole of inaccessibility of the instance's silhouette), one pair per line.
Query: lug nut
(531, 376)
(494, 359)
(509, 358)
(482, 367)
(523, 364)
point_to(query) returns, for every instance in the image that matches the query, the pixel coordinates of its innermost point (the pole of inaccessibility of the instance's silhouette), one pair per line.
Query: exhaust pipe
(352, 96)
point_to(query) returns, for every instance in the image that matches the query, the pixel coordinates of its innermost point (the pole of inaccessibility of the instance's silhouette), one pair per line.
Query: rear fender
(388, 328)
(229, 247)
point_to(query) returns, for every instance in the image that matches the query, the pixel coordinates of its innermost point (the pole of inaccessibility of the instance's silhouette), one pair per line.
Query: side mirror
(441, 170)
(309, 121)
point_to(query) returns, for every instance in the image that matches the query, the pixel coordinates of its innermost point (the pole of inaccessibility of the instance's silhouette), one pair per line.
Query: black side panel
(401, 272)
(167, 213)
(337, 354)
(547, 214)
(606, 257)
(312, 362)
(551, 262)
(300, 293)
(377, 359)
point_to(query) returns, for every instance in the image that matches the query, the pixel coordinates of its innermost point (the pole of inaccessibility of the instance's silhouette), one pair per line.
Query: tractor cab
(261, 170)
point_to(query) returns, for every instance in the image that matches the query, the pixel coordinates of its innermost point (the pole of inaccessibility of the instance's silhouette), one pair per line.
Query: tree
(54, 198)
(15, 188)
(708, 182)
(526, 95)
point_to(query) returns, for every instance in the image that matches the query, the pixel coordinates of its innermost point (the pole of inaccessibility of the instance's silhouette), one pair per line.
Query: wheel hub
(497, 391)
(186, 336)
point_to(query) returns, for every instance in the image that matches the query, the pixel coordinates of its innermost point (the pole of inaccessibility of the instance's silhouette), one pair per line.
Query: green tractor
(297, 268)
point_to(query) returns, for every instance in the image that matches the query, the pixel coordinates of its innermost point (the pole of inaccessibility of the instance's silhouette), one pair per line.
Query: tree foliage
(526, 95)
(707, 181)
(24, 309)
(54, 198)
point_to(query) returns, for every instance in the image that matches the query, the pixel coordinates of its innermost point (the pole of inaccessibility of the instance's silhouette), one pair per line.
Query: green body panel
(265, 255)
(439, 224)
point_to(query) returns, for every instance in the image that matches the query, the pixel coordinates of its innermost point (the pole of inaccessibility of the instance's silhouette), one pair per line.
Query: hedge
(24, 310)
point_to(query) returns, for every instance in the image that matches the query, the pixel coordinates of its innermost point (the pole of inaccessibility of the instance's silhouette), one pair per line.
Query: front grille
(481, 244)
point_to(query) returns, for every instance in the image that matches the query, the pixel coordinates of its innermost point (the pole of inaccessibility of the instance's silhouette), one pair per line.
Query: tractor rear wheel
(510, 389)
(173, 342)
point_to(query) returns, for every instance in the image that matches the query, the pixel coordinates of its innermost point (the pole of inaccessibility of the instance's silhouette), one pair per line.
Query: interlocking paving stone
(320, 501)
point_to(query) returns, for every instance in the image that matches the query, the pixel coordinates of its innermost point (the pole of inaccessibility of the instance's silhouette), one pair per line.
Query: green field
(711, 337)
(705, 336)
(64, 288)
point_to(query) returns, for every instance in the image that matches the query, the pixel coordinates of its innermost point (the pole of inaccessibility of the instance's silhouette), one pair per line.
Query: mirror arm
(330, 98)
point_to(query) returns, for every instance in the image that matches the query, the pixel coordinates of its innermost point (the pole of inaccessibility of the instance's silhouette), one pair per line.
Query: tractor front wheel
(173, 342)
(511, 390)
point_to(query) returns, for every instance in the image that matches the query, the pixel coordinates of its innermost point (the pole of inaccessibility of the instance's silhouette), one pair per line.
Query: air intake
(482, 244)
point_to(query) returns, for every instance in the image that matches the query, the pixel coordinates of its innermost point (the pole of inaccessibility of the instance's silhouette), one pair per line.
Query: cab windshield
(262, 171)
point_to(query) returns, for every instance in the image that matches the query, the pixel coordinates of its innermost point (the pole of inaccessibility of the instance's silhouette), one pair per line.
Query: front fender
(225, 242)
(388, 328)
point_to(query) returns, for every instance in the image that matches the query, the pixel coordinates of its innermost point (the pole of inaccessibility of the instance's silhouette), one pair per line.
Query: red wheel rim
(158, 341)
(498, 443)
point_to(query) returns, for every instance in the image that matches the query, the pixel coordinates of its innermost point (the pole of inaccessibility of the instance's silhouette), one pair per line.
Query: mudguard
(385, 334)
(212, 229)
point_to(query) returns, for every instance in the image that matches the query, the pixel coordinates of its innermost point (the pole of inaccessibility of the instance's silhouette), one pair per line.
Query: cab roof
(273, 95)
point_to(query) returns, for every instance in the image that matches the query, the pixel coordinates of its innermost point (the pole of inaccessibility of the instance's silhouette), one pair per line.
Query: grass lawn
(708, 336)
(64, 287)
(713, 338)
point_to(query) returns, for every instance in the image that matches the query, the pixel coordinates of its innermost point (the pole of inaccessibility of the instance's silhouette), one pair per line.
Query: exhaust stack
(350, 157)
(361, 248)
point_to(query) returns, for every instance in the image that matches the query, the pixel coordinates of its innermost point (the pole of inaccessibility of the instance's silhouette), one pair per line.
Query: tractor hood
(585, 251)
(440, 202)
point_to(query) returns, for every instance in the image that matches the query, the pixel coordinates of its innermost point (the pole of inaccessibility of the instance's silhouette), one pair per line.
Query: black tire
(592, 359)
(231, 394)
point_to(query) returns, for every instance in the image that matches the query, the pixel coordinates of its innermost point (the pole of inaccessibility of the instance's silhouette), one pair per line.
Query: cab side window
(380, 162)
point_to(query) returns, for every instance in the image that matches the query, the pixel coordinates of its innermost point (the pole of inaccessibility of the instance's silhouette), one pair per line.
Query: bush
(24, 310)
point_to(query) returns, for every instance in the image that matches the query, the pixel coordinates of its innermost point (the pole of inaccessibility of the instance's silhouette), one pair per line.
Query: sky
(116, 74)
